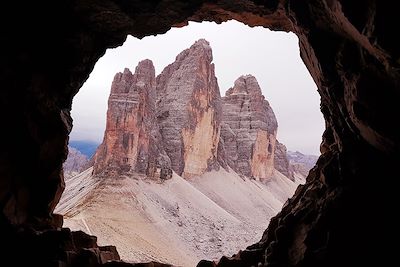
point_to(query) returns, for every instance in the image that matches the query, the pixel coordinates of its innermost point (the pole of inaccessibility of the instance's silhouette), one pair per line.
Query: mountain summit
(132, 142)
(178, 122)
(249, 129)
(189, 110)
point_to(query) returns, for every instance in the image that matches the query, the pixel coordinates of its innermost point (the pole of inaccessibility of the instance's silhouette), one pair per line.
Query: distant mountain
(298, 157)
(87, 148)
(301, 163)
(75, 163)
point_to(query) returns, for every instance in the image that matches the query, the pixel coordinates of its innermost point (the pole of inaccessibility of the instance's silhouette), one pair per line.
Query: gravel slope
(177, 221)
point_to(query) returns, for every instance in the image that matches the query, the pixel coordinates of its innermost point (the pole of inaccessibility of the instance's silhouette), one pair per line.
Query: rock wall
(131, 139)
(191, 116)
(188, 110)
(281, 161)
(248, 129)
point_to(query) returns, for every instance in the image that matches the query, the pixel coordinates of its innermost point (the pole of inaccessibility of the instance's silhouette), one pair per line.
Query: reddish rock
(131, 140)
(188, 109)
(248, 129)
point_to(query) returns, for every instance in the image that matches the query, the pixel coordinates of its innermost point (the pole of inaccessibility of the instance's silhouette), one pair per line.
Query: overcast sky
(272, 57)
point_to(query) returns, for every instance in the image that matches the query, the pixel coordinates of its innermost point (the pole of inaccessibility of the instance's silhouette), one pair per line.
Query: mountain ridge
(181, 168)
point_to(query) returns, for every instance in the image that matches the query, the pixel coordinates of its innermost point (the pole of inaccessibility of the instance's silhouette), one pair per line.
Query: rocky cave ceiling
(342, 216)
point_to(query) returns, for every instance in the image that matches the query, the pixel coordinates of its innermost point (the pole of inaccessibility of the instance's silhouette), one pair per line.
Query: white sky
(272, 57)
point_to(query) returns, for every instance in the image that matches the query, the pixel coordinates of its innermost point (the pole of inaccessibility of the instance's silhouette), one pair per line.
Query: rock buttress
(131, 140)
(281, 161)
(248, 129)
(188, 110)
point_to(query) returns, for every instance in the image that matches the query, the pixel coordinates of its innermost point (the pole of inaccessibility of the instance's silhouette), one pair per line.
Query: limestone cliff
(175, 121)
(188, 110)
(248, 129)
(131, 140)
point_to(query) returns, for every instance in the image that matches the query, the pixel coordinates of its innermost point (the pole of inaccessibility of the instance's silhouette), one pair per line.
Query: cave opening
(252, 58)
(330, 221)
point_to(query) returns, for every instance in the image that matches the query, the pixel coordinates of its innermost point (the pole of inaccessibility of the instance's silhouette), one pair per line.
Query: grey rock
(248, 129)
(189, 111)
(281, 161)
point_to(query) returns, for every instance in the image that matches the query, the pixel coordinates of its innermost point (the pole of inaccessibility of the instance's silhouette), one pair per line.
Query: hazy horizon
(272, 57)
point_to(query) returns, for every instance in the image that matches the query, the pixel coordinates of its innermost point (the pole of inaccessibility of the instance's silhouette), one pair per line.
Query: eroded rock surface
(131, 140)
(56, 246)
(248, 129)
(189, 110)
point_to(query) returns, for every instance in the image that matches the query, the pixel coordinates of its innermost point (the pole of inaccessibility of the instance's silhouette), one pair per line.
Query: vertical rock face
(174, 122)
(131, 139)
(281, 160)
(188, 110)
(248, 129)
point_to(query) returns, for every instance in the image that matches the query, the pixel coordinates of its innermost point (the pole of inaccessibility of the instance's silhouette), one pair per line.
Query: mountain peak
(245, 84)
(202, 43)
(131, 140)
(144, 64)
(200, 48)
(188, 104)
(249, 129)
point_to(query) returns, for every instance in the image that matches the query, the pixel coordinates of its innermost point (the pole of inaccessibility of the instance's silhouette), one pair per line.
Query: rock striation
(131, 140)
(248, 129)
(189, 111)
